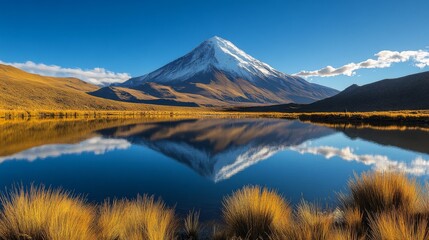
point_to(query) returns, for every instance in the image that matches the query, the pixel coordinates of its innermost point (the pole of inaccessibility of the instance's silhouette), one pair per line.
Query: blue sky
(137, 37)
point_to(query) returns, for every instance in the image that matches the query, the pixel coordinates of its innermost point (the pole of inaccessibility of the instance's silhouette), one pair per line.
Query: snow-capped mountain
(218, 73)
(214, 53)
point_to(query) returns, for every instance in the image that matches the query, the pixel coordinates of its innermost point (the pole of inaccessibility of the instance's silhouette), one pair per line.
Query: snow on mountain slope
(219, 70)
(215, 53)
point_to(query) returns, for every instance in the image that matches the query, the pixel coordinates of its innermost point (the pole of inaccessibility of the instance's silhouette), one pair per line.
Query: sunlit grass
(41, 213)
(143, 218)
(373, 193)
(311, 223)
(254, 213)
(378, 206)
(398, 225)
(352, 223)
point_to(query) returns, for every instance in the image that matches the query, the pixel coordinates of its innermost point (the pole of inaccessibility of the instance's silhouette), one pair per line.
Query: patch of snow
(215, 53)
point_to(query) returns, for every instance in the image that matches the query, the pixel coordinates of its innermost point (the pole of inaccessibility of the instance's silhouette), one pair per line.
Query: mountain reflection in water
(214, 148)
(219, 148)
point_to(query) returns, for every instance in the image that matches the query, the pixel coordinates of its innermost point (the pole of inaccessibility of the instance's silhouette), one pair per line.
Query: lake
(194, 163)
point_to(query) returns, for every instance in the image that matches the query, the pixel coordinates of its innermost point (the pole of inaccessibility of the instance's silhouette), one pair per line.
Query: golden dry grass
(254, 213)
(141, 219)
(399, 225)
(381, 206)
(352, 222)
(41, 213)
(404, 117)
(192, 225)
(311, 223)
(170, 112)
(373, 193)
(20, 90)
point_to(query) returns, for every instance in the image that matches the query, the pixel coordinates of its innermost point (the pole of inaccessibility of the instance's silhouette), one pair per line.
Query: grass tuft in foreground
(374, 193)
(192, 225)
(42, 213)
(142, 219)
(311, 223)
(397, 226)
(380, 206)
(254, 213)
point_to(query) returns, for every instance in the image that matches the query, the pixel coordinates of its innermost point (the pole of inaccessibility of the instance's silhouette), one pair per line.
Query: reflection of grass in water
(398, 210)
(16, 136)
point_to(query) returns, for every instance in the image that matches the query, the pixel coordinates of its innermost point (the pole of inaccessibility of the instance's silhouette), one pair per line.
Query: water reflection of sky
(96, 145)
(191, 168)
(380, 158)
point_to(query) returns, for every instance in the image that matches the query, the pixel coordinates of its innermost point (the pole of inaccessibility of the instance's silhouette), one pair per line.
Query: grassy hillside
(20, 90)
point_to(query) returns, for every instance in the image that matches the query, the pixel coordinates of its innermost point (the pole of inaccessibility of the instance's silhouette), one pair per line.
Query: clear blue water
(193, 164)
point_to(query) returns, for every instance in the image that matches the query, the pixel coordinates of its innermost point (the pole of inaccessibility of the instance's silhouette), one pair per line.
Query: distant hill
(217, 73)
(405, 93)
(20, 90)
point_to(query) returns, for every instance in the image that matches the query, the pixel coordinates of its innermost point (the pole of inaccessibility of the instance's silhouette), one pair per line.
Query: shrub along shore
(377, 206)
(381, 118)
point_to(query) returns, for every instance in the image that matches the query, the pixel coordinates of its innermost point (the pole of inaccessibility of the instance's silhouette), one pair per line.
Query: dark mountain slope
(405, 93)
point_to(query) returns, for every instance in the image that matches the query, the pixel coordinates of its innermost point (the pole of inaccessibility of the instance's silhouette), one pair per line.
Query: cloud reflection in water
(96, 145)
(417, 166)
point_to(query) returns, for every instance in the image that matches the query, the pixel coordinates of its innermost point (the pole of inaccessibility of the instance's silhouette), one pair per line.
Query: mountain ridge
(217, 73)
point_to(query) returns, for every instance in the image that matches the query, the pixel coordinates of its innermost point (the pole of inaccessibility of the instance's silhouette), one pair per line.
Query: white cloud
(96, 145)
(384, 59)
(97, 76)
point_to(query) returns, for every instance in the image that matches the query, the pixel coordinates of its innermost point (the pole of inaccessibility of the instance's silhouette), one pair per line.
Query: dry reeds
(373, 193)
(141, 219)
(192, 225)
(398, 225)
(379, 206)
(311, 223)
(42, 213)
(254, 213)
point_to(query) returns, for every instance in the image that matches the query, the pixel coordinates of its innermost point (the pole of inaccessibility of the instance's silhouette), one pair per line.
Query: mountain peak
(215, 53)
(217, 69)
(215, 39)
(224, 50)
(221, 43)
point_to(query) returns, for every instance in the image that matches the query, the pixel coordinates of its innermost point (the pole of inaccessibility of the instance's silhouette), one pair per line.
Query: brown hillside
(20, 90)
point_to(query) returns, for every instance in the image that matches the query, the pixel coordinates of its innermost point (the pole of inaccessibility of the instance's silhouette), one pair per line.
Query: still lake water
(194, 163)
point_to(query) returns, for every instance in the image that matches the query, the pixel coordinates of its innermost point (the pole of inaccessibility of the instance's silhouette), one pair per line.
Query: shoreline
(354, 119)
